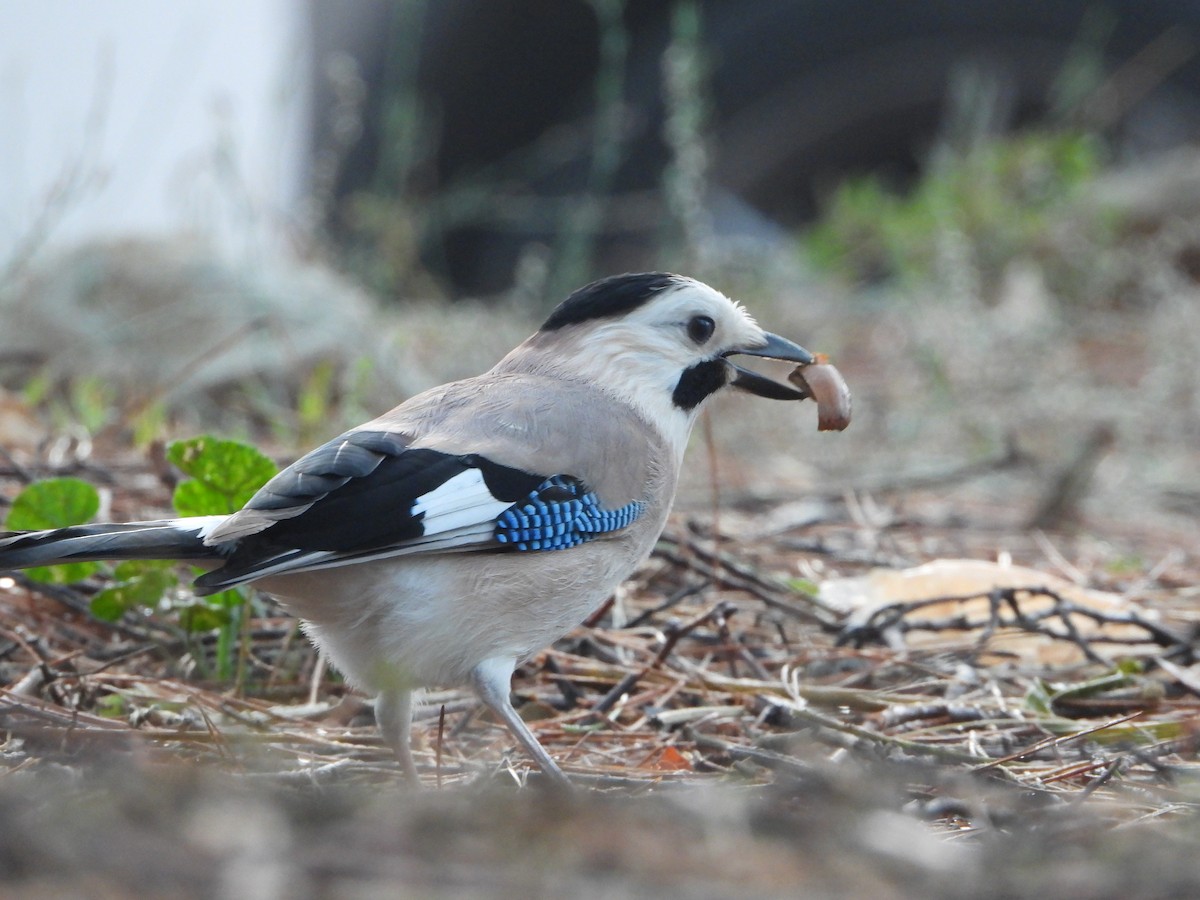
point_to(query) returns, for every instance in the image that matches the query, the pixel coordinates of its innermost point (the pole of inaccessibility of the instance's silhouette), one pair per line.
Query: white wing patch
(459, 502)
(204, 526)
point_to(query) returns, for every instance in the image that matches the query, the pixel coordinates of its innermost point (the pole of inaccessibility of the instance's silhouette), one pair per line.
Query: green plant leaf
(112, 706)
(229, 599)
(1038, 697)
(804, 586)
(63, 573)
(1130, 666)
(133, 568)
(139, 589)
(225, 474)
(55, 503)
(202, 617)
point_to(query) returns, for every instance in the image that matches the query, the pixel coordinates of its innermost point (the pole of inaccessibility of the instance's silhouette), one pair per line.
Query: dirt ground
(781, 747)
(950, 652)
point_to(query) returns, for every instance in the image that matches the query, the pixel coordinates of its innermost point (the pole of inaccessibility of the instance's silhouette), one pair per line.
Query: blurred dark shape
(1059, 507)
(800, 93)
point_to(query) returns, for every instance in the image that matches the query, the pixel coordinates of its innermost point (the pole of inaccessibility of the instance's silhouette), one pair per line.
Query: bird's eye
(701, 328)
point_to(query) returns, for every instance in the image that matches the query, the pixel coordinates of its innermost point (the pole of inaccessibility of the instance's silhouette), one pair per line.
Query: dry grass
(709, 657)
(732, 736)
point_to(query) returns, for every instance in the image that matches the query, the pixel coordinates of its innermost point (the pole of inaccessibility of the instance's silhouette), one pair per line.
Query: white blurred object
(946, 603)
(144, 118)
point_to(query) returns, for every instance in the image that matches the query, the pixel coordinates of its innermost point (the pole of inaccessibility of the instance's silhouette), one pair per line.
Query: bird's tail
(161, 539)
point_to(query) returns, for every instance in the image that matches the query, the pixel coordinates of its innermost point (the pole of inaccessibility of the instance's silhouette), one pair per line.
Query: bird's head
(661, 343)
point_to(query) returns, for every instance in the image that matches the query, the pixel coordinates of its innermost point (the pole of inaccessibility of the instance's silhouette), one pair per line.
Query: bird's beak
(776, 347)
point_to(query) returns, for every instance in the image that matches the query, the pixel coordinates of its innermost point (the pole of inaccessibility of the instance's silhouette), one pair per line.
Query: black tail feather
(165, 539)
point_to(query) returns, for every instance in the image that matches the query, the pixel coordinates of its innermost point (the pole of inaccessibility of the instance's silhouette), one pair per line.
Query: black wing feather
(352, 497)
(372, 510)
(355, 454)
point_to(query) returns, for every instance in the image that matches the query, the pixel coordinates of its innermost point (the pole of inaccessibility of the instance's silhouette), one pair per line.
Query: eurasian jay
(449, 539)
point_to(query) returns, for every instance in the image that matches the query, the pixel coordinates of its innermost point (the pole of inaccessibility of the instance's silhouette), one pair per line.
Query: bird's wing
(370, 494)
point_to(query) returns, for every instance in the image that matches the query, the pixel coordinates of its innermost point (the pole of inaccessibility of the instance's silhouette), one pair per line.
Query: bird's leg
(393, 714)
(492, 683)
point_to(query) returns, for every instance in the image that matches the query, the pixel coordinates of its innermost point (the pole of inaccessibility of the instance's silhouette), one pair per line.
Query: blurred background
(461, 139)
(295, 213)
(273, 219)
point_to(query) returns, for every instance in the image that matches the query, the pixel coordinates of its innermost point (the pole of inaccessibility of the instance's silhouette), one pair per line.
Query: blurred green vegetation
(999, 200)
(383, 234)
(983, 194)
(381, 227)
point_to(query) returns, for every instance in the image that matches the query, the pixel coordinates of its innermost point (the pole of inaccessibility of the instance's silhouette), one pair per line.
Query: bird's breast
(430, 620)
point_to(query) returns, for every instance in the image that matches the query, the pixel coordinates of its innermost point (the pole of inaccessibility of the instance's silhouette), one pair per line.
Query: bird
(452, 538)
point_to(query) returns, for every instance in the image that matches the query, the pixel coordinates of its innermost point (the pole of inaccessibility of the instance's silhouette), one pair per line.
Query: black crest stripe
(609, 297)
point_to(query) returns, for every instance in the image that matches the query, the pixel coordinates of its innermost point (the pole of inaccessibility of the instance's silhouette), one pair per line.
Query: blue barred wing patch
(560, 513)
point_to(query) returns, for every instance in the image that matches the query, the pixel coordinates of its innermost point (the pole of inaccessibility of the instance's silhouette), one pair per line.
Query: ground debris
(730, 663)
